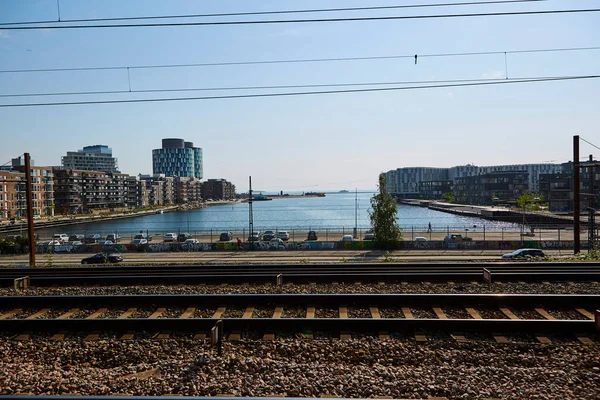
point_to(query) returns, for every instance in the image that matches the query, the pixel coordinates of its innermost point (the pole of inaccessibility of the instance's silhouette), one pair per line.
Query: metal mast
(250, 216)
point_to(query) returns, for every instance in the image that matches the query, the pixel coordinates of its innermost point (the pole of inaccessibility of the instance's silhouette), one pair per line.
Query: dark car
(312, 235)
(524, 253)
(225, 237)
(268, 235)
(182, 237)
(92, 238)
(102, 258)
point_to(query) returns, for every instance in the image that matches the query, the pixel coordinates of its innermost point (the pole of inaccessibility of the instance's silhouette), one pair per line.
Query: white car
(283, 235)
(106, 242)
(420, 239)
(190, 244)
(347, 238)
(170, 237)
(61, 237)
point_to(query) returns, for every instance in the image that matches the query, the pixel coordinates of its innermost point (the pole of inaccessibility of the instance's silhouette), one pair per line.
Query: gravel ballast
(364, 367)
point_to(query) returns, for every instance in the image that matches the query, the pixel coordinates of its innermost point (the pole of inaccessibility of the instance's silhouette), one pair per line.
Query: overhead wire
(289, 94)
(591, 144)
(300, 21)
(235, 88)
(302, 60)
(275, 12)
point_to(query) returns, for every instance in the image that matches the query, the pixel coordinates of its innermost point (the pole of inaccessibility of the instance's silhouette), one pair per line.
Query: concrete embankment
(495, 213)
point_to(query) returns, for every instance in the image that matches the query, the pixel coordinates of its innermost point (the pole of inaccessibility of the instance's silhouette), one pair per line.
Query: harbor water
(336, 211)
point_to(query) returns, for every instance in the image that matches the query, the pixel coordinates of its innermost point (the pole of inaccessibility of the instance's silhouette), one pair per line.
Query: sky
(311, 142)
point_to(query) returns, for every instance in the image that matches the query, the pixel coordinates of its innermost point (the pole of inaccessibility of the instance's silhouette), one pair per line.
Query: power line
(250, 87)
(239, 14)
(259, 95)
(299, 21)
(302, 60)
(591, 144)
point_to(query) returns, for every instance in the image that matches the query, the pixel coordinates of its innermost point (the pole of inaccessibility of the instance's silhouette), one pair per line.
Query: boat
(160, 212)
(343, 191)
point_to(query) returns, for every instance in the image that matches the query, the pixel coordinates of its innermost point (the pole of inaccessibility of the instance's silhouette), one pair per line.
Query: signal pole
(576, 197)
(28, 193)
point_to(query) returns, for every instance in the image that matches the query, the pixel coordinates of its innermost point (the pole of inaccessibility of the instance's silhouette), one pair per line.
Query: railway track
(302, 273)
(270, 314)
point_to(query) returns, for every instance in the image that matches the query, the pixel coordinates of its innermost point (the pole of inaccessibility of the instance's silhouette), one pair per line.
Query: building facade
(218, 189)
(413, 181)
(490, 188)
(81, 192)
(91, 158)
(557, 188)
(177, 158)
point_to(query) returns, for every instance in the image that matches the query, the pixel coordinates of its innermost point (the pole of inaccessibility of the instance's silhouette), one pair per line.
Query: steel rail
(419, 300)
(334, 325)
(300, 278)
(313, 267)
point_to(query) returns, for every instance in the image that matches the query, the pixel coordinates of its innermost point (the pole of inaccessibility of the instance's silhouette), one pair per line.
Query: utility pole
(28, 193)
(576, 197)
(591, 210)
(250, 216)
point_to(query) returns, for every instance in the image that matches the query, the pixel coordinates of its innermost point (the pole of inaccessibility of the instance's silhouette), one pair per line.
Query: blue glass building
(177, 158)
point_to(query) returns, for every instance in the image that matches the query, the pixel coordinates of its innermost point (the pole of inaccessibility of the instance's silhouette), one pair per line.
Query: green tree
(529, 201)
(449, 197)
(387, 234)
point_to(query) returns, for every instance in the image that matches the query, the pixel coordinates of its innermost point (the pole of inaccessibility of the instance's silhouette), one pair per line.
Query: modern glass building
(177, 158)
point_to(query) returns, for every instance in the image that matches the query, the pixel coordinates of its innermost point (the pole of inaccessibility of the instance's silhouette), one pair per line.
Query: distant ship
(343, 191)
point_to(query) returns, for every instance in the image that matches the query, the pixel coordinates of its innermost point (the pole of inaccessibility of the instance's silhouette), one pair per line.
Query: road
(257, 257)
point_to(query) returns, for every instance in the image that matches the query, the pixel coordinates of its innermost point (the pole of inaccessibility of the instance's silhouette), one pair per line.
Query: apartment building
(91, 158)
(177, 158)
(218, 189)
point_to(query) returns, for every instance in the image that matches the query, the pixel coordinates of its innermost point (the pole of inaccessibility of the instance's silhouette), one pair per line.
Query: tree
(387, 234)
(529, 201)
(449, 197)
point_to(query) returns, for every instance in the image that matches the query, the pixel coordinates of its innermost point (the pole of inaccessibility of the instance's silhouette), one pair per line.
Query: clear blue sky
(309, 142)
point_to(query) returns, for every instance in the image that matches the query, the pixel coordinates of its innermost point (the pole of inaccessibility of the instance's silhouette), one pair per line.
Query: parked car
(276, 243)
(254, 237)
(190, 244)
(347, 238)
(268, 235)
(524, 253)
(113, 237)
(102, 258)
(420, 239)
(283, 235)
(76, 243)
(61, 237)
(143, 236)
(225, 236)
(369, 235)
(76, 237)
(182, 237)
(92, 238)
(106, 242)
(170, 237)
(312, 235)
(139, 242)
(457, 238)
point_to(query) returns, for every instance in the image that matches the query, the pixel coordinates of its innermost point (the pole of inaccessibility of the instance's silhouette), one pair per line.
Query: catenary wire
(250, 13)
(250, 87)
(300, 21)
(305, 60)
(591, 144)
(286, 94)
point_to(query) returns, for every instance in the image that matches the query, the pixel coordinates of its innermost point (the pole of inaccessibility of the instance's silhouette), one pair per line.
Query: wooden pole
(28, 193)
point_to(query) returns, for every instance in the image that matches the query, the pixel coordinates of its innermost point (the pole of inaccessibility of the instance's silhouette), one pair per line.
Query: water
(333, 212)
